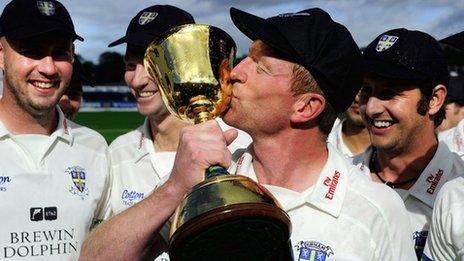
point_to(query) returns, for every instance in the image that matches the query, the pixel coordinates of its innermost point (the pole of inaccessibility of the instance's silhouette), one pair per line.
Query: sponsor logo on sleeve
(313, 251)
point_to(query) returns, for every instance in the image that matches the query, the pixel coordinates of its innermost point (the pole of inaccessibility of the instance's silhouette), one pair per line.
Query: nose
(141, 77)
(373, 107)
(47, 66)
(238, 72)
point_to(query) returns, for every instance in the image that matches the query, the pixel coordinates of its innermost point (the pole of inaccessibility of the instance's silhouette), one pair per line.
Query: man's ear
(2, 53)
(307, 107)
(438, 99)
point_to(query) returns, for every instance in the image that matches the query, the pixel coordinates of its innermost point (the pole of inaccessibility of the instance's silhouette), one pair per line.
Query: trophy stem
(202, 116)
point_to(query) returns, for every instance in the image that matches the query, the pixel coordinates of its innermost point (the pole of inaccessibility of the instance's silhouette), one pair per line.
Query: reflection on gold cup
(225, 217)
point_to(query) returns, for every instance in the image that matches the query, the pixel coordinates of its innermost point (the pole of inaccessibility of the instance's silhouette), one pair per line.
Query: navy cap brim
(390, 71)
(38, 29)
(139, 39)
(255, 28)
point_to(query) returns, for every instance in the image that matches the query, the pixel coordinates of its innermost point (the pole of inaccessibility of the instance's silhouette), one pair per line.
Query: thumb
(230, 135)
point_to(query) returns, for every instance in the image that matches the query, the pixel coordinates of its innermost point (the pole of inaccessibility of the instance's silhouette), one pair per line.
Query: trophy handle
(215, 170)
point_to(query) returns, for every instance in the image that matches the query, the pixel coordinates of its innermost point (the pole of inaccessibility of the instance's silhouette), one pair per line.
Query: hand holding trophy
(225, 217)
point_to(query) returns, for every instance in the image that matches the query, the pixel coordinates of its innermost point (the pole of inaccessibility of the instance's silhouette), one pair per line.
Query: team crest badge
(78, 176)
(419, 242)
(313, 251)
(147, 17)
(385, 42)
(45, 7)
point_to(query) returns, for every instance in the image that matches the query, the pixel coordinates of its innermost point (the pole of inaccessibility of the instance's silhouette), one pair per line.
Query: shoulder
(380, 199)
(452, 192)
(126, 145)
(87, 137)
(127, 139)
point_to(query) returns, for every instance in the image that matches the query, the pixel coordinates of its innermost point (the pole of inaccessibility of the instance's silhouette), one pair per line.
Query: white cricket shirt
(454, 138)
(138, 169)
(446, 237)
(419, 199)
(51, 194)
(344, 216)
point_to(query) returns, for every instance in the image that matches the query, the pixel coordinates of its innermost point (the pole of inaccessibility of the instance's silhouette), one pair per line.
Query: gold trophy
(225, 217)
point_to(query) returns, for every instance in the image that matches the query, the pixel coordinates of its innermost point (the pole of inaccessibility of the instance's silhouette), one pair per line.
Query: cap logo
(147, 17)
(45, 7)
(293, 14)
(385, 42)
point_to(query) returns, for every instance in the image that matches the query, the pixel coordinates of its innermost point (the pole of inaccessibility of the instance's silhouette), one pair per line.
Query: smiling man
(54, 173)
(402, 103)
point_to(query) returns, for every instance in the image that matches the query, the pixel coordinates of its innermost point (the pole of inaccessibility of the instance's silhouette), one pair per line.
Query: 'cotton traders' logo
(45, 7)
(78, 178)
(313, 251)
(332, 184)
(129, 198)
(4, 180)
(385, 42)
(434, 179)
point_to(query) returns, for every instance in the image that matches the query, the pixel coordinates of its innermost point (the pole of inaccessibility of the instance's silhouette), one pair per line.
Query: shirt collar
(328, 194)
(144, 143)
(330, 189)
(434, 176)
(62, 131)
(431, 179)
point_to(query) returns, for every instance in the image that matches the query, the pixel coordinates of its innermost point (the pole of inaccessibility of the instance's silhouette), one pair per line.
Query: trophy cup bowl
(225, 217)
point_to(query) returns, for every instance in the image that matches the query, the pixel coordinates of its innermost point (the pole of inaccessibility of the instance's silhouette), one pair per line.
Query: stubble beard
(20, 99)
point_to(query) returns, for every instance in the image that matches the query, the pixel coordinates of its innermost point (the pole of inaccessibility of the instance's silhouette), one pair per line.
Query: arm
(126, 235)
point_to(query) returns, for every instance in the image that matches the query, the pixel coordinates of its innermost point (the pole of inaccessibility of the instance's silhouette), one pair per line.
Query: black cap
(455, 40)
(406, 55)
(22, 19)
(152, 22)
(312, 39)
(455, 88)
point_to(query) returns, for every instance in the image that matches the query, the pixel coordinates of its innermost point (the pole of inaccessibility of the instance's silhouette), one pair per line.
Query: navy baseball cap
(152, 22)
(23, 19)
(406, 55)
(312, 39)
(455, 40)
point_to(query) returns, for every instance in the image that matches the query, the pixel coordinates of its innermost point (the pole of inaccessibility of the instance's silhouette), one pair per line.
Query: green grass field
(110, 124)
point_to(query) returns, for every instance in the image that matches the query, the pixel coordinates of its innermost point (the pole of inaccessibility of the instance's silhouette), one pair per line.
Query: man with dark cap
(402, 103)
(446, 240)
(143, 158)
(54, 173)
(286, 96)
